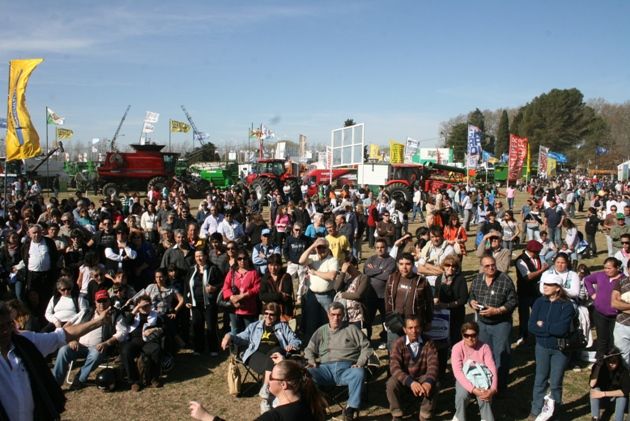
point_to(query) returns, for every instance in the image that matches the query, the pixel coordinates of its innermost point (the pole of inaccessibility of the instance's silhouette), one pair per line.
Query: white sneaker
(547, 411)
(382, 346)
(519, 341)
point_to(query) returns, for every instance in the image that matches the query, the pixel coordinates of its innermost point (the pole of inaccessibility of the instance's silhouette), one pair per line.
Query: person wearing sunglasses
(623, 255)
(241, 287)
(263, 339)
(475, 373)
(64, 306)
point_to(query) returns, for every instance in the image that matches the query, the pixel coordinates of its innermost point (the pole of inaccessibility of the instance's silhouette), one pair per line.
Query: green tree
(503, 135)
(457, 138)
(349, 122)
(476, 118)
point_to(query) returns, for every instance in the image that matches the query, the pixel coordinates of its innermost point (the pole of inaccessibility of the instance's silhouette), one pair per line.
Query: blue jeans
(550, 365)
(341, 373)
(555, 235)
(497, 336)
(66, 354)
(461, 401)
(620, 406)
(417, 209)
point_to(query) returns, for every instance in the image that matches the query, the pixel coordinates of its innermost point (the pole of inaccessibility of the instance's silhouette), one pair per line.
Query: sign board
(281, 149)
(372, 174)
(411, 148)
(346, 145)
(434, 155)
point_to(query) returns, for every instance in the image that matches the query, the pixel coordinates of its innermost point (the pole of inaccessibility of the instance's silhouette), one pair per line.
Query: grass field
(203, 378)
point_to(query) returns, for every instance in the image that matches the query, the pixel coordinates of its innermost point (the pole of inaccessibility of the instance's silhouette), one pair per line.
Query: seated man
(92, 346)
(414, 367)
(342, 350)
(144, 338)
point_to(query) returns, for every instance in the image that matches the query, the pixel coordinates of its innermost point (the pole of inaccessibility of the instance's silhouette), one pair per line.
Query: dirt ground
(204, 378)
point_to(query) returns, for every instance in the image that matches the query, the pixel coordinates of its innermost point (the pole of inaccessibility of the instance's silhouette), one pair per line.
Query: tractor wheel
(159, 182)
(295, 192)
(262, 188)
(401, 193)
(110, 189)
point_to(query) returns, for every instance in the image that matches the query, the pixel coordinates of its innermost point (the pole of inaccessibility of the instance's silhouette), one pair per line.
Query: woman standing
(277, 286)
(550, 320)
(241, 288)
(533, 222)
(572, 239)
(455, 235)
(451, 292)
(283, 220)
(511, 230)
(354, 286)
(166, 302)
(600, 286)
(569, 280)
(317, 228)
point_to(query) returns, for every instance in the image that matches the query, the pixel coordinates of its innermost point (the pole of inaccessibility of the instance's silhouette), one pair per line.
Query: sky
(304, 67)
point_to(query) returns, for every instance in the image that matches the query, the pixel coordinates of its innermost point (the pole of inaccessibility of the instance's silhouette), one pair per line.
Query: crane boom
(197, 135)
(113, 145)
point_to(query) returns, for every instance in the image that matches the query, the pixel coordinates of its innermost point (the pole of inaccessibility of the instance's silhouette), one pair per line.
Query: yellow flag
(64, 133)
(396, 152)
(551, 166)
(178, 126)
(375, 152)
(22, 140)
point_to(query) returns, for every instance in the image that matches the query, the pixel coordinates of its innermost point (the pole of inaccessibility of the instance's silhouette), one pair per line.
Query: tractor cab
(275, 167)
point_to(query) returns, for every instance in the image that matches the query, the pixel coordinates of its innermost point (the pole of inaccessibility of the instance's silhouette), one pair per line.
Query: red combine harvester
(140, 170)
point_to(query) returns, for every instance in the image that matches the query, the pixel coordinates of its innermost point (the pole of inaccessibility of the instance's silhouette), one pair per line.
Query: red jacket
(248, 282)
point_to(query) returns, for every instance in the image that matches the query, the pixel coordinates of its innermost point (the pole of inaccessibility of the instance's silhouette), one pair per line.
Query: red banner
(517, 157)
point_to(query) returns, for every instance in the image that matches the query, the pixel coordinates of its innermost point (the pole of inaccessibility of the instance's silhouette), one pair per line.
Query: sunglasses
(240, 258)
(625, 242)
(102, 301)
(270, 314)
(469, 335)
(65, 289)
(231, 248)
(275, 380)
(490, 266)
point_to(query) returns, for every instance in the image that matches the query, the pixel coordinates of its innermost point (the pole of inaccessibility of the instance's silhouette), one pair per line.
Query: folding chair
(105, 364)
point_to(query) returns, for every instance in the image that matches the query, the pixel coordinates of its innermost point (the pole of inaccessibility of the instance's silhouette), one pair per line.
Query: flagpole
(6, 173)
(47, 167)
(169, 134)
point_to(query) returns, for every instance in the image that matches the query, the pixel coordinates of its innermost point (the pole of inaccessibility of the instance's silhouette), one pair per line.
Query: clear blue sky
(303, 67)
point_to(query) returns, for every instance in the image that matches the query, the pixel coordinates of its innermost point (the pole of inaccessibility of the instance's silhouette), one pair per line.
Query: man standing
(491, 245)
(385, 229)
(493, 297)
(263, 251)
(413, 364)
(337, 354)
(211, 223)
(433, 253)
(338, 244)
(554, 217)
(40, 258)
(377, 268)
(529, 269)
(294, 246)
(230, 229)
(407, 294)
(617, 231)
(29, 390)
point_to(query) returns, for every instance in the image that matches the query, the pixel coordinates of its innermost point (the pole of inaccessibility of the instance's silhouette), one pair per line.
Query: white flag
(148, 128)
(151, 117)
(95, 140)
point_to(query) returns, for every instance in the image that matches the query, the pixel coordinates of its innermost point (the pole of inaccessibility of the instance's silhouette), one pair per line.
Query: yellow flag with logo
(396, 152)
(22, 141)
(551, 166)
(64, 133)
(375, 152)
(179, 127)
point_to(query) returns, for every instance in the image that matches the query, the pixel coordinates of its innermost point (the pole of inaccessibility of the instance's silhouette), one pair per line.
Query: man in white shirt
(231, 229)
(149, 223)
(211, 223)
(93, 346)
(27, 383)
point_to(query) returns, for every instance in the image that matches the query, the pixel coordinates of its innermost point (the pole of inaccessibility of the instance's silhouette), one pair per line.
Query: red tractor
(270, 174)
(140, 170)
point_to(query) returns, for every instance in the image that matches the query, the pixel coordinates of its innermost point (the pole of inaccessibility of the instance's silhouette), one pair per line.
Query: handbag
(234, 379)
(575, 340)
(222, 302)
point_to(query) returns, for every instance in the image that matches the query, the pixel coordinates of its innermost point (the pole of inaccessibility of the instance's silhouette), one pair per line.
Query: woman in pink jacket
(475, 373)
(241, 287)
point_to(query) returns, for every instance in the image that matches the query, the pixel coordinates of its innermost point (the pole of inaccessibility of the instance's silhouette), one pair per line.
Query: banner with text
(396, 152)
(516, 157)
(542, 160)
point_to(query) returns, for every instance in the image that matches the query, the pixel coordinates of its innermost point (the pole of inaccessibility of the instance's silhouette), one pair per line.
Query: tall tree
(476, 118)
(349, 122)
(457, 138)
(503, 135)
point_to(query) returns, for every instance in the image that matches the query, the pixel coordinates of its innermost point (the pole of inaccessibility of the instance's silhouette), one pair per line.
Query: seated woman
(263, 339)
(610, 382)
(298, 397)
(64, 305)
(475, 373)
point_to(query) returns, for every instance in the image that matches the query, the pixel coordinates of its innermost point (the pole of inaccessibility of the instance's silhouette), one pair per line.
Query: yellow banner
(22, 140)
(64, 133)
(179, 127)
(551, 166)
(375, 152)
(396, 152)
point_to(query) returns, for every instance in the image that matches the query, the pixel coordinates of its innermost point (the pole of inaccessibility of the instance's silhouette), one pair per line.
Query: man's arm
(74, 332)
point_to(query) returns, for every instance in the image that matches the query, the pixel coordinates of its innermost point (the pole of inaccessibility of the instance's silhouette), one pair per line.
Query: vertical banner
(396, 152)
(375, 152)
(411, 148)
(474, 140)
(551, 166)
(22, 140)
(542, 160)
(516, 157)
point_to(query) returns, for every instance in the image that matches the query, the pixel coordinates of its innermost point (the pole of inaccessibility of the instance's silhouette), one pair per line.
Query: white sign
(151, 117)
(281, 148)
(411, 148)
(347, 145)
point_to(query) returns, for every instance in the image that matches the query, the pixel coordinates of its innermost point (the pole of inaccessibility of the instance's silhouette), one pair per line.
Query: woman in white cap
(561, 269)
(550, 320)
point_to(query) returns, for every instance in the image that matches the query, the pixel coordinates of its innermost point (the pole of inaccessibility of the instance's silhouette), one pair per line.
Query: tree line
(559, 119)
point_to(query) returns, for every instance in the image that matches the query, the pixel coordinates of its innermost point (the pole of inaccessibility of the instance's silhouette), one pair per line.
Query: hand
(188, 305)
(416, 389)
(289, 348)
(104, 317)
(276, 357)
(427, 388)
(490, 312)
(225, 343)
(58, 324)
(474, 304)
(74, 345)
(597, 394)
(211, 289)
(102, 347)
(198, 412)
(311, 365)
(234, 299)
(171, 316)
(545, 266)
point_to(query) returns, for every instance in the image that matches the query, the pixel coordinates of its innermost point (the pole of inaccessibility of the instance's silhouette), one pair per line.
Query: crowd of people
(272, 277)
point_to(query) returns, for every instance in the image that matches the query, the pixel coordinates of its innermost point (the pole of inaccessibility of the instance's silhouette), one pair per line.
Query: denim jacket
(251, 336)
